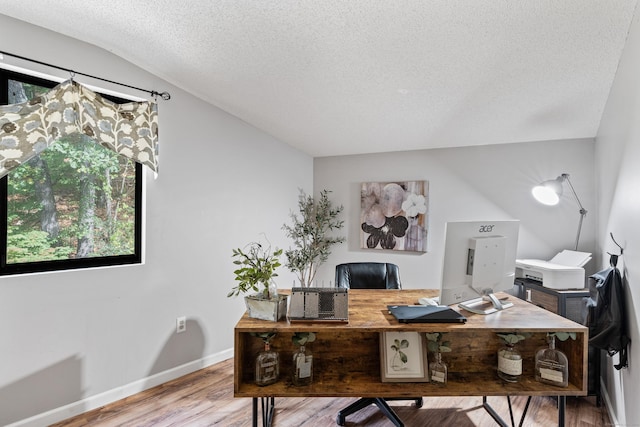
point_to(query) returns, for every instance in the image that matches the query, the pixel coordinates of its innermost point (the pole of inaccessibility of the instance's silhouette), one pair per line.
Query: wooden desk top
(344, 369)
(368, 312)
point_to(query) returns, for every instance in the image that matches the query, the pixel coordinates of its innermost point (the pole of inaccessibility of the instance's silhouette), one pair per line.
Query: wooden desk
(347, 355)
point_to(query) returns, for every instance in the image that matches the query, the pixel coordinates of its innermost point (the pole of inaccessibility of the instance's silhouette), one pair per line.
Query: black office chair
(370, 275)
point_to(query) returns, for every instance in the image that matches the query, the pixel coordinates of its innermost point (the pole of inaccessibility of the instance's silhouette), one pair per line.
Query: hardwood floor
(205, 398)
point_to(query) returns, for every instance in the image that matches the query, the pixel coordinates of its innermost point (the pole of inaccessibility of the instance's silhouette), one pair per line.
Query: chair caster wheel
(419, 403)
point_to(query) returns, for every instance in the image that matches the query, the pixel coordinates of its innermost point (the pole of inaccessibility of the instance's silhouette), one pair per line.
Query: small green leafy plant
(257, 265)
(302, 338)
(562, 336)
(514, 337)
(265, 336)
(436, 343)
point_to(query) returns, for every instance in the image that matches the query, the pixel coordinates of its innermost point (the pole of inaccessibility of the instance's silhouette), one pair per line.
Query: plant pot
(259, 307)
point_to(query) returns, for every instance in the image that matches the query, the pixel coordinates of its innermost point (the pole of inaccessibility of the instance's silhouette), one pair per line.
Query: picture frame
(403, 357)
(394, 215)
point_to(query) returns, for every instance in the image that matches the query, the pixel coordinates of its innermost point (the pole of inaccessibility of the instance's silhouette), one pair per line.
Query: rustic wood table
(347, 355)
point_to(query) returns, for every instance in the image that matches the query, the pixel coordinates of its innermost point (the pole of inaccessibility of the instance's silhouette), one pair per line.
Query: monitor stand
(486, 305)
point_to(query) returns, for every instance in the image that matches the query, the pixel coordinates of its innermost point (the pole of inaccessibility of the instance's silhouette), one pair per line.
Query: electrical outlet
(181, 324)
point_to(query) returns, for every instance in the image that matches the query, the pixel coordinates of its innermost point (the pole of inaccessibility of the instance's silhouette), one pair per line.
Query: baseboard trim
(604, 397)
(110, 396)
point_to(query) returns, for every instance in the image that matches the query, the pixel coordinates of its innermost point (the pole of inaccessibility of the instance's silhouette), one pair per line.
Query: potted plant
(257, 266)
(552, 365)
(268, 361)
(509, 358)
(309, 232)
(302, 358)
(438, 370)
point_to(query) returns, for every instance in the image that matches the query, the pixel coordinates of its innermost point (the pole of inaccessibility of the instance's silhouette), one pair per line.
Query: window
(76, 205)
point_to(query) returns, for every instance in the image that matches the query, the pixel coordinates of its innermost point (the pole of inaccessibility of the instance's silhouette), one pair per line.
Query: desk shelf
(347, 355)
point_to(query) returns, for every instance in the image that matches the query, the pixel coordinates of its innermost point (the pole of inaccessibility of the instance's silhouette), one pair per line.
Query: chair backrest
(368, 275)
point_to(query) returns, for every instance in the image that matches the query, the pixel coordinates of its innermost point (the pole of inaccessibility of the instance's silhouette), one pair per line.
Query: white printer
(563, 271)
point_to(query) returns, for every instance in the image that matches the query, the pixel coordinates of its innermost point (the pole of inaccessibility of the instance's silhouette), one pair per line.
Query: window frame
(72, 263)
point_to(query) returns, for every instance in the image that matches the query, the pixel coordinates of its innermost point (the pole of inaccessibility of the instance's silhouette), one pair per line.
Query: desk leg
(254, 412)
(268, 406)
(493, 412)
(562, 404)
(524, 413)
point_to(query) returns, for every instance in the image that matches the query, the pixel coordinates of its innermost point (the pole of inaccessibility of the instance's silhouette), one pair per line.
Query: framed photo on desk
(403, 357)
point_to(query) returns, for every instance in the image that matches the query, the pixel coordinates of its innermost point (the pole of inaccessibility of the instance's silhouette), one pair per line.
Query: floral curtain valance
(28, 128)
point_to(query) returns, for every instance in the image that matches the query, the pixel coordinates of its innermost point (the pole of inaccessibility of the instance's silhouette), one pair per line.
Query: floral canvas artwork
(394, 215)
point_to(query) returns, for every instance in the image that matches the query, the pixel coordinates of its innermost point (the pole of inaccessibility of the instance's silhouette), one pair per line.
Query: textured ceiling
(343, 77)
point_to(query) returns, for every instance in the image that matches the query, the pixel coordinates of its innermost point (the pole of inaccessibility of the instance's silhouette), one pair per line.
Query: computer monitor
(479, 260)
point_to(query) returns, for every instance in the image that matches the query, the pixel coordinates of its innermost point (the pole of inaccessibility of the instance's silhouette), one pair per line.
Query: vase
(302, 367)
(259, 307)
(267, 366)
(552, 366)
(509, 363)
(438, 370)
(272, 289)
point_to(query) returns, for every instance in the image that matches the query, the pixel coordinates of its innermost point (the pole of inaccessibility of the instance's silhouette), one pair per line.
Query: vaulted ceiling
(338, 77)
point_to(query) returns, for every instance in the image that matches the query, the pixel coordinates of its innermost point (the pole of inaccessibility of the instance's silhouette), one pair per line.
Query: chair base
(380, 403)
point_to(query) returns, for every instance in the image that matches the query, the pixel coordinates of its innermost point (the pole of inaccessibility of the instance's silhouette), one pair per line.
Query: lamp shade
(549, 192)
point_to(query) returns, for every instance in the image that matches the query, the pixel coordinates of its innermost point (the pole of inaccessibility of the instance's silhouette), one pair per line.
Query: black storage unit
(571, 304)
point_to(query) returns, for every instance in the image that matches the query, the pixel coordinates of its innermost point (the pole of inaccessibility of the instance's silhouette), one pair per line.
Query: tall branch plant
(310, 234)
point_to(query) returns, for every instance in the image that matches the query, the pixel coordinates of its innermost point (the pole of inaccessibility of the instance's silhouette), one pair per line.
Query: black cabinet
(567, 303)
(571, 304)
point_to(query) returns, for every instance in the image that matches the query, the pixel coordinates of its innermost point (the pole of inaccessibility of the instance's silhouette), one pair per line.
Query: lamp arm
(583, 211)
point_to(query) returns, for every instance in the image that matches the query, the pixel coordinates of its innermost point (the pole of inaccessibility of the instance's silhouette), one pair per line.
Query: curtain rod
(164, 95)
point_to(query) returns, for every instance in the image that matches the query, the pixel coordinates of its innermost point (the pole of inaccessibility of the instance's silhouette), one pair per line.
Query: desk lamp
(549, 192)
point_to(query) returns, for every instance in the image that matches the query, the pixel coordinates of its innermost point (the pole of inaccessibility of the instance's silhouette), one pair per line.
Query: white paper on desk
(571, 258)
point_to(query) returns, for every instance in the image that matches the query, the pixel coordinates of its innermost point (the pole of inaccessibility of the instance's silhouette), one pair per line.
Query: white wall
(474, 183)
(69, 337)
(617, 166)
